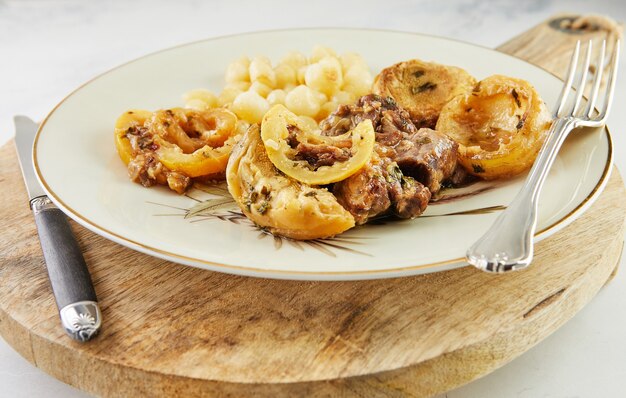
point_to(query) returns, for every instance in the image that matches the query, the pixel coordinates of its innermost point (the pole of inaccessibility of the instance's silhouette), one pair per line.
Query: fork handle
(508, 244)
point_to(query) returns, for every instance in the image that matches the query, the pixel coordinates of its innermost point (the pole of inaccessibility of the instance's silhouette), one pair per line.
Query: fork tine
(608, 99)
(570, 78)
(580, 87)
(593, 96)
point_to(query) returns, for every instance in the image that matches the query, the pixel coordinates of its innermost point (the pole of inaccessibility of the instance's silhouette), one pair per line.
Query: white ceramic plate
(76, 162)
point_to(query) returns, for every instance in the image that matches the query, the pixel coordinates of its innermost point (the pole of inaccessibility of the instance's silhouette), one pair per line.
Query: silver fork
(508, 244)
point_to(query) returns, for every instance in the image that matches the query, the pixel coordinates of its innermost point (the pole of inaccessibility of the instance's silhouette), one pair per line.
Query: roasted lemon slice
(500, 126)
(194, 143)
(276, 202)
(127, 123)
(310, 157)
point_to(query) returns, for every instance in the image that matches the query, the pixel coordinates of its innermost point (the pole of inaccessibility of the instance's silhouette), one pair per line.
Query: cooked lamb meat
(390, 122)
(460, 177)
(410, 198)
(394, 126)
(427, 156)
(318, 155)
(364, 194)
(380, 188)
(146, 168)
(408, 167)
(321, 155)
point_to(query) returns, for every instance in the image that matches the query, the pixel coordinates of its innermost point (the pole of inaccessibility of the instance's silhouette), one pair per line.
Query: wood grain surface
(171, 330)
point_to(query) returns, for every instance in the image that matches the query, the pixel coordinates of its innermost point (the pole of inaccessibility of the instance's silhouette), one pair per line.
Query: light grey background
(48, 48)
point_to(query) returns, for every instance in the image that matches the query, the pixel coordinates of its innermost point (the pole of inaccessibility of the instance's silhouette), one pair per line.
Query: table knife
(70, 280)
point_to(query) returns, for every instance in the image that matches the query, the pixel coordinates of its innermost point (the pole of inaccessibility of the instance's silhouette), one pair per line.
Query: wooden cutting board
(171, 330)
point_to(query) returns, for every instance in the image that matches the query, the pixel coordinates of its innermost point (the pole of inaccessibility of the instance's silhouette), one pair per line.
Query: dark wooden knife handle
(69, 277)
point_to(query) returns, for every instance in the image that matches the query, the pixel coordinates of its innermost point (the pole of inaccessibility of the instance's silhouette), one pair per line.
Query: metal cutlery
(508, 244)
(67, 271)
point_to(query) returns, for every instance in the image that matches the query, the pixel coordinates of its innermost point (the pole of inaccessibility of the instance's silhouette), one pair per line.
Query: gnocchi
(250, 106)
(303, 101)
(238, 71)
(311, 87)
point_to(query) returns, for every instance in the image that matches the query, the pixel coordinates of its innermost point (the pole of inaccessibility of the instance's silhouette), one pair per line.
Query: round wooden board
(171, 330)
(175, 330)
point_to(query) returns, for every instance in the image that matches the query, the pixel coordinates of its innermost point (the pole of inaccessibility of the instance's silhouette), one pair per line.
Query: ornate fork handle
(508, 244)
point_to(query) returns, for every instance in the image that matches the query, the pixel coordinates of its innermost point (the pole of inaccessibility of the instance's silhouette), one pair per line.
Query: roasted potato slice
(422, 88)
(276, 202)
(499, 126)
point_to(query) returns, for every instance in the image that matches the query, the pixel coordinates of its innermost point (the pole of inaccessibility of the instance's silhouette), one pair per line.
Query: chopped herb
(389, 102)
(428, 86)
(254, 195)
(263, 207)
(310, 193)
(395, 174)
(407, 182)
(516, 97)
(404, 122)
(252, 198)
(478, 168)
(423, 140)
(145, 142)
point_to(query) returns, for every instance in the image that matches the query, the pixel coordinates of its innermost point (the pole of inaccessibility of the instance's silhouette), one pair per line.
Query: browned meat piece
(427, 156)
(390, 122)
(318, 155)
(146, 168)
(321, 155)
(460, 177)
(364, 194)
(178, 182)
(394, 126)
(410, 198)
(379, 188)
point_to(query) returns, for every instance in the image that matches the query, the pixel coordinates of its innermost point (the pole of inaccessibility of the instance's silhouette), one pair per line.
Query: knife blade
(69, 277)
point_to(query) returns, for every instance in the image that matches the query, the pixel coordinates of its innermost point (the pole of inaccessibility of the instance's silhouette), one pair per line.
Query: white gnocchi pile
(312, 87)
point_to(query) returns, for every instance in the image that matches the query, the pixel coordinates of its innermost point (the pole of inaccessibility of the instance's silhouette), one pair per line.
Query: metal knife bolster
(69, 277)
